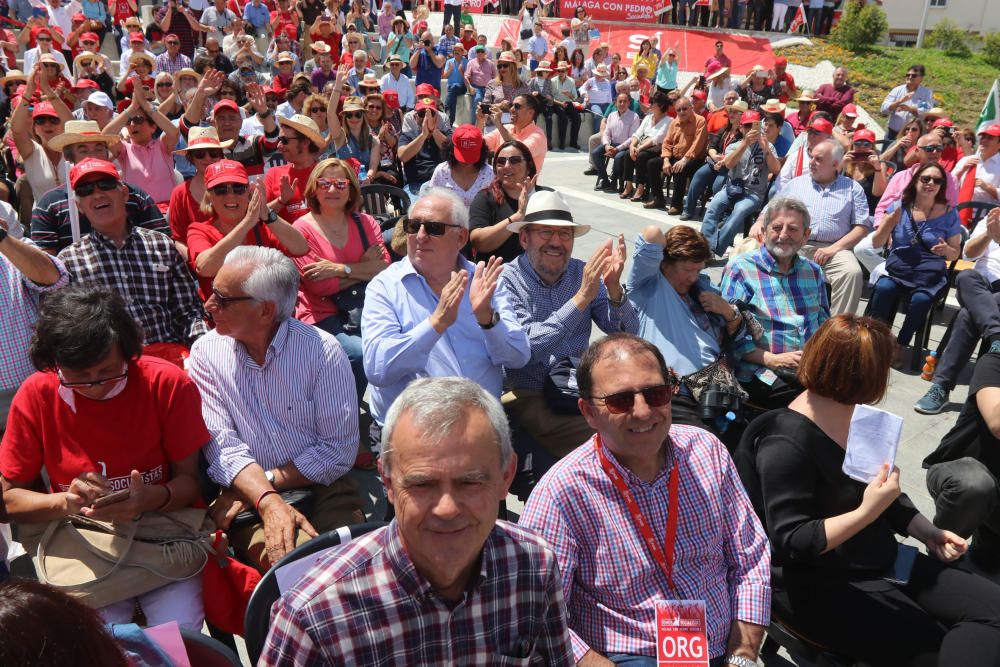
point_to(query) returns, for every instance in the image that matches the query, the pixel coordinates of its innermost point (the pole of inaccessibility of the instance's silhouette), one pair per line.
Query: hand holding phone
(111, 498)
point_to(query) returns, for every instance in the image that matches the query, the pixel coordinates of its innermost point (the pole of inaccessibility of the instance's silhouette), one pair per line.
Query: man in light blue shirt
(556, 298)
(436, 314)
(906, 101)
(258, 16)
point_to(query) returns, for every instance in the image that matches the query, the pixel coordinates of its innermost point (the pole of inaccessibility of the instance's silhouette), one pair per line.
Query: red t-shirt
(297, 207)
(332, 40)
(184, 210)
(154, 422)
(789, 86)
(202, 236)
(281, 84)
(285, 20)
(469, 44)
(56, 43)
(149, 82)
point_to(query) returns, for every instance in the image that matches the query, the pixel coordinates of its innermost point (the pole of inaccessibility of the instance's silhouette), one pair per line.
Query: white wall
(974, 15)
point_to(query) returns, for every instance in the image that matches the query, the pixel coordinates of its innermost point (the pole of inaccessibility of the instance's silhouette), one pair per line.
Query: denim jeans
(648, 661)
(885, 298)
(352, 347)
(477, 97)
(600, 161)
(455, 93)
(721, 232)
(597, 115)
(736, 15)
(705, 177)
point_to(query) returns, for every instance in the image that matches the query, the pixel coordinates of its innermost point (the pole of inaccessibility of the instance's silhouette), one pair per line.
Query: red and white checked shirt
(610, 580)
(365, 604)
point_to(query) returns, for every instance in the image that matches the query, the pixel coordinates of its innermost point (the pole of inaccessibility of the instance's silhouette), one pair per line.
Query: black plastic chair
(386, 203)
(801, 649)
(257, 621)
(204, 651)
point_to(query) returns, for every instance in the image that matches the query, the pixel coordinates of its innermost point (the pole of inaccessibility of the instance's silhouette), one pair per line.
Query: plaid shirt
(365, 604)
(556, 328)
(789, 306)
(834, 209)
(445, 45)
(610, 580)
(164, 63)
(149, 273)
(18, 312)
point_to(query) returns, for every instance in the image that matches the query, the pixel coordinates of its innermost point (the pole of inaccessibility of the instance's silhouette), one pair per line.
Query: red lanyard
(664, 557)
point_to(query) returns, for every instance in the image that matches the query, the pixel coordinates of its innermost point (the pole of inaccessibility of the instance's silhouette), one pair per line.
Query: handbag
(102, 562)
(350, 301)
(735, 188)
(560, 390)
(716, 373)
(527, 33)
(227, 585)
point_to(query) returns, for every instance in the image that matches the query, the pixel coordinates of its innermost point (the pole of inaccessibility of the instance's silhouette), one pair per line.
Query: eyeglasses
(223, 301)
(927, 180)
(547, 234)
(223, 190)
(95, 383)
(432, 228)
(86, 63)
(317, 110)
(165, 84)
(912, 129)
(622, 402)
(911, 75)
(354, 115)
(863, 143)
(43, 39)
(284, 140)
(47, 120)
(513, 160)
(327, 183)
(172, 43)
(136, 120)
(374, 107)
(933, 148)
(87, 189)
(682, 109)
(517, 105)
(51, 66)
(199, 153)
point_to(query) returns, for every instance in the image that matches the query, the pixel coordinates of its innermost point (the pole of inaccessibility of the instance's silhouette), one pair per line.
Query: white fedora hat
(546, 207)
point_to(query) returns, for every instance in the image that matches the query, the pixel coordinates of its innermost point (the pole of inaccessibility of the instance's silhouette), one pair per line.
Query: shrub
(991, 49)
(860, 27)
(951, 39)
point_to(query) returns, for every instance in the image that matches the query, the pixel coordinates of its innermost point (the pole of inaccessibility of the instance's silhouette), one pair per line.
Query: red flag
(702, 3)
(662, 7)
(798, 21)
(965, 194)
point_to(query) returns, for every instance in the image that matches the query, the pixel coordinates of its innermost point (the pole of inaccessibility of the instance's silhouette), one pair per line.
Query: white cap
(101, 99)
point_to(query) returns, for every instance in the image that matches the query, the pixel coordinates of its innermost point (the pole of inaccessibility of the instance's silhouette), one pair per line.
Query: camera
(717, 399)
(428, 43)
(485, 108)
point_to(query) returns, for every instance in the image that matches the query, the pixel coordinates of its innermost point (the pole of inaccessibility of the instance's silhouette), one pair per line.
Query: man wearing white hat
(555, 298)
(300, 144)
(50, 218)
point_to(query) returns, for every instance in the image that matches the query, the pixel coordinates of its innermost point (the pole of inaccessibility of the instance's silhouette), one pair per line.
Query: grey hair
(459, 211)
(621, 87)
(782, 204)
(436, 406)
(273, 277)
(361, 54)
(836, 149)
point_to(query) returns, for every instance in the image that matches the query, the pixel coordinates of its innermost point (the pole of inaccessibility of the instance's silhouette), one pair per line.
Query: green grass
(960, 85)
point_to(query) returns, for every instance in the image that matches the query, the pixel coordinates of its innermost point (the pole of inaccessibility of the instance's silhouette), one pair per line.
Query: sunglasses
(95, 383)
(374, 107)
(198, 154)
(136, 120)
(235, 188)
(355, 115)
(503, 66)
(87, 189)
(912, 129)
(223, 300)
(285, 140)
(51, 66)
(317, 110)
(337, 183)
(933, 148)
(43, 39)
(165, 84)
(431, 227)
(172, 43)
(86, 63)
(863, 143)
(513, 160)
(927, 180)
(622, 402)
(517, 105)
(913, 76)
(47, 120)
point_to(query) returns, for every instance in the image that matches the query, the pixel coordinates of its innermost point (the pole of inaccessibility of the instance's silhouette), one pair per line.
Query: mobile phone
(111, 498)
(485, 108)
(900, 571)
(756, 126)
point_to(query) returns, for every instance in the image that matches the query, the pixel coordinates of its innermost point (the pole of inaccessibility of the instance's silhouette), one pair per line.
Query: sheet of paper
(289, 575)
(871, 442)
(168, 637)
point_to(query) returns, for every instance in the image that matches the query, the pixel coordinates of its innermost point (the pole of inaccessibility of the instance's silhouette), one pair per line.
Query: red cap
(749, 117)
(267, 90)
(863, 134)
(292, 32)
(225, 171)
(850, 110)
(91, 166)
(79, 16)
(942, 122)
(44, 109)
(781, 61)
(699, 95)
(225, 105)
(171, 35)
(426, 90)
(391, 98)
(991, 129)
(85, 83)
(426, 103)
(89, 37)
(821, 125)
(468, 143)
(136, 37)
(43, 31)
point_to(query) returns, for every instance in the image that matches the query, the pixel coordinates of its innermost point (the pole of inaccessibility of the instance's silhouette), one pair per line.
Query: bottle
(363, 174)
(930, 362)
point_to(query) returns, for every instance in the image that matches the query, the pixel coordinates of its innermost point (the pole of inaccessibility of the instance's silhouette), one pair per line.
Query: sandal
(627, 192)
(640, 194)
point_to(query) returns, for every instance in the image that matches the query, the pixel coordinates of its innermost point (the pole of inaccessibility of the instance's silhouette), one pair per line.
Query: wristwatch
(740, 661)
(271, 216)
(347, 270)
(269, 476)
(493, 322)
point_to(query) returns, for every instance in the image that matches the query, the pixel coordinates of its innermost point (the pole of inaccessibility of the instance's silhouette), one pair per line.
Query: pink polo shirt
(531, 136)
(150, 167)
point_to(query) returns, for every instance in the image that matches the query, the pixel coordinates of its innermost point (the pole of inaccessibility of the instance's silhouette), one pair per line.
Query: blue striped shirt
(789, 306)
(301, 406)
(834, 209)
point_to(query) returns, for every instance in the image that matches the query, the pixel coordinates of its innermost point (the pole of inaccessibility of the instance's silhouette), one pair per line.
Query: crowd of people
(205, 326)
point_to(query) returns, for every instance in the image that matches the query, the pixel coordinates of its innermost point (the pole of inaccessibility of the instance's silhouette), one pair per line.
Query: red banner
(694, 47)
